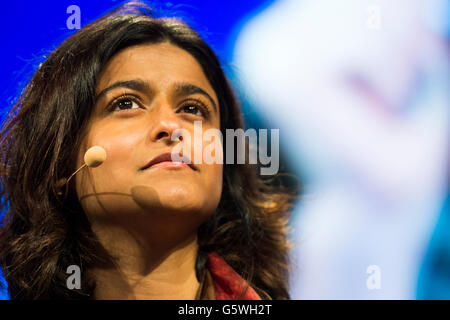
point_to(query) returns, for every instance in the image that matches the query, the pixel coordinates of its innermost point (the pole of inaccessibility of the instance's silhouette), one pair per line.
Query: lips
(168, 157)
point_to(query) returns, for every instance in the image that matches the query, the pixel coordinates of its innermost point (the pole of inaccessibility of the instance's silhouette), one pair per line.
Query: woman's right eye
(123, 104)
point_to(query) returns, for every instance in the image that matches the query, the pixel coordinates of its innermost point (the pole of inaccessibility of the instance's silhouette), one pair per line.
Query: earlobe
(59, 186)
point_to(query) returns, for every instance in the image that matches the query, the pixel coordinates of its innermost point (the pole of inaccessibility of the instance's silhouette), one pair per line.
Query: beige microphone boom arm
(67, 182)
(93, 157)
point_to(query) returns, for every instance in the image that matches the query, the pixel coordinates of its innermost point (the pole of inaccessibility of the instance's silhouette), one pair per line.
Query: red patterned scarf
(228, 284)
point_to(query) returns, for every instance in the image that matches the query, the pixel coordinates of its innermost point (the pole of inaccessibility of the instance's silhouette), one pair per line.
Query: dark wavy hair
(40, 235)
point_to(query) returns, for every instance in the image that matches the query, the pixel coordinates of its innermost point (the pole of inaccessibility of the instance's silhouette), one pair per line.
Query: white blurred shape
(365, 114)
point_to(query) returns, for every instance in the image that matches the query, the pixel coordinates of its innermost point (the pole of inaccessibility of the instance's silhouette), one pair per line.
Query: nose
(165, 124)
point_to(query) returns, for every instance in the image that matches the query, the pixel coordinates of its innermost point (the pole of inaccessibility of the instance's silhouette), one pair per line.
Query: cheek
(116, 171)
(213, 182)
(212, 164)
(211, 161)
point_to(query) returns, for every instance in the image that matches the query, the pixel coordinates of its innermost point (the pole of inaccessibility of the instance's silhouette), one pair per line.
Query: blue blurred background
(360, 92)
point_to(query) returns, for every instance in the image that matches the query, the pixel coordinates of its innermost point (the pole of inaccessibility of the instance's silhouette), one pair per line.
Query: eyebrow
(181, 89)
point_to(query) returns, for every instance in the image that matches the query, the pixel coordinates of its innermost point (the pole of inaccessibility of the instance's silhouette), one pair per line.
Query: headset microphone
(93, 157)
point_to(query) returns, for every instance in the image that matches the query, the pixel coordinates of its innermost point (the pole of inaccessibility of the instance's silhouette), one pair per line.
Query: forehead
(162, 65)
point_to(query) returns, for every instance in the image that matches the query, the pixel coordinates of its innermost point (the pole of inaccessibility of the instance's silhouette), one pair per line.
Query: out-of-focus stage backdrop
(359, 90)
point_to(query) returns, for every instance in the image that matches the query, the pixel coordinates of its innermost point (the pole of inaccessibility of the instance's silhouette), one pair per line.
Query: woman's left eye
(194, 109)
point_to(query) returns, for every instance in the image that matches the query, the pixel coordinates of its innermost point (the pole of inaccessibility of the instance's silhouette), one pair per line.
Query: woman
(137, 230)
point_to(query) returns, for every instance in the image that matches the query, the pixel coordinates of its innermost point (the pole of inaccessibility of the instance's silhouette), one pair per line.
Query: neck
(147, 269)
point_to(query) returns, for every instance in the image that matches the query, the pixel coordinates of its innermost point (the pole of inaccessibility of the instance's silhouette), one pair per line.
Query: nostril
(162, 134)
(177, 137)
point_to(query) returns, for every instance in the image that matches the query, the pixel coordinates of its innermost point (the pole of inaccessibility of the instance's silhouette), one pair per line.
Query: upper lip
(167, 156)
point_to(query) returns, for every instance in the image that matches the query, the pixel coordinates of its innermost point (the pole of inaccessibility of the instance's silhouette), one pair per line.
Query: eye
(123, 103)
(190, 108)
(197, 108)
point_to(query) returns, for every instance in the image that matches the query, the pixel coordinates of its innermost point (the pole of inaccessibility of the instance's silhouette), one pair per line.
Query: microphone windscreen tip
(94, 156)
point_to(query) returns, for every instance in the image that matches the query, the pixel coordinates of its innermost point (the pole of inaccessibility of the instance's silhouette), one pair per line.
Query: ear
(59, 185)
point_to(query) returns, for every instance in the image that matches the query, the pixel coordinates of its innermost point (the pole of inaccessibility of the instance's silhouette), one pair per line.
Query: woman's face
(144, 93)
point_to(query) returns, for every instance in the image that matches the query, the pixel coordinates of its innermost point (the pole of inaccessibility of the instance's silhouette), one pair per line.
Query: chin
(182, 199)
